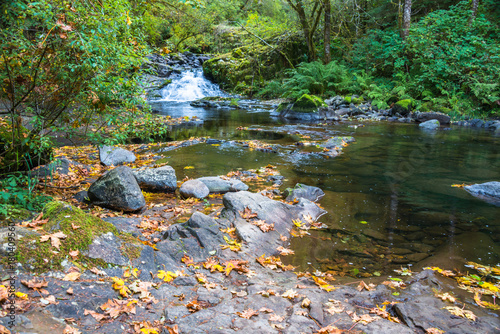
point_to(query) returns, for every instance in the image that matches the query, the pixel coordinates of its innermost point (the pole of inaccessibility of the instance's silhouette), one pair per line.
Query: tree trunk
(328, 29)
(308, 27)
(475, 4)
(406, 19)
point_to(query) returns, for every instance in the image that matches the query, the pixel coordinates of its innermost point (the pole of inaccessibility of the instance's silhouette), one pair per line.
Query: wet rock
(476, 123)
(117, 190)
(426, 116)
(218, 185)
(432, 124)
(194, 188)
(272, 212)
(107, 247)
(200, 236)
(156, 179)
(374, 234)
(114, 156)
(124, 224)
(489, 191)
(313, 194)
(82, 196)
(338, 141)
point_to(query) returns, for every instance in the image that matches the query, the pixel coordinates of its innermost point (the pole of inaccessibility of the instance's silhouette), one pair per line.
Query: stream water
(389, 196)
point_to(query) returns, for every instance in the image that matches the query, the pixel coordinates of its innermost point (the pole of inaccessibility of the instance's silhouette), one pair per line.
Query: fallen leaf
(275, 317)
(433, 330)
(290, 294)
(33, 284)
(247, 314)
(55, 238)
(306, 302)
(70, 330)
(285, 251)
(173, 330)
(265, 310)
(247, 214)
(362, 285)
(74, 253)
(75, 227)
(69, 291)
(95, 315)
(72, 276)
(334, 306)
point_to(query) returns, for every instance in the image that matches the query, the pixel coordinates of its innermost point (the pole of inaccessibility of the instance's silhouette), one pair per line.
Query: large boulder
(157, 179)
(194, 188)
(402, 107)
(308, 103)
(117, 190)
(219, 185)
(489, 191)
(303, 191)
(427, 116)
(114, 156)
(433, 124)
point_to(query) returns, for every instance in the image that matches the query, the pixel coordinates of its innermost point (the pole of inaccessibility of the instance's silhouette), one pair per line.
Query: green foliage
(445, 61)
(66, 67)
(308, 103)
(19, 190)
(318, 79)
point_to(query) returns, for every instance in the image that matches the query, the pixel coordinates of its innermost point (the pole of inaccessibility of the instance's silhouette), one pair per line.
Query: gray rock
(20, 232)
(157, 179)
(427, 116)
(107, 247)
(303, 191)
(117, 190)
(114, 156)
(489, 191)
(218, 185)
(476, 123)
(432, 124)
(338, 141)
(194, 188)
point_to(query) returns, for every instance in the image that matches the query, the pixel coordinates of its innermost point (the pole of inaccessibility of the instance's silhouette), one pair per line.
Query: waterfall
(190, 86)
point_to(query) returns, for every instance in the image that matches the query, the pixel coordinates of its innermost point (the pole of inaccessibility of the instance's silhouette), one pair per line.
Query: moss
(165, 83)
(14, 214)
(40, 256)
(308, 103)
(405, 104)
(282, 106)
(348, 99)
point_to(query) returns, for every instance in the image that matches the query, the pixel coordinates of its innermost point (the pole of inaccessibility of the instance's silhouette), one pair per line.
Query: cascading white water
(190, 86)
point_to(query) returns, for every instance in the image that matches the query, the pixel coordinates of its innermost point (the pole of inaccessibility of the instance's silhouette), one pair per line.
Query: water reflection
(389, 196)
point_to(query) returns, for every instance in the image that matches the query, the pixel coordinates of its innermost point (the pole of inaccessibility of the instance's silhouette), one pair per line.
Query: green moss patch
(13, 213)
(80, 228)
(308, 103)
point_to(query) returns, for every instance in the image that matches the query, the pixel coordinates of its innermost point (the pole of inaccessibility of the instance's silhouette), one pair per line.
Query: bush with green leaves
(446, 62)
(67, 67)
(18, 190)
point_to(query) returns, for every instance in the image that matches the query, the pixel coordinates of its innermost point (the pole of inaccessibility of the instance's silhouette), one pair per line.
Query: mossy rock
(355, 100)
(308, 103)
(165, 84)
(403, 107)
(62, 217)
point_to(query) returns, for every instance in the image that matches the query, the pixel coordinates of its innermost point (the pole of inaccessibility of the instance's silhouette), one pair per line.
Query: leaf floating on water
(189, 167)
(363, 222)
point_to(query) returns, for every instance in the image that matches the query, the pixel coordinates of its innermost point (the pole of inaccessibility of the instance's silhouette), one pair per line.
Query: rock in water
(433, 124)
(303, 191)
(218, 185)
(426, 116)
(114, 156)
(157, 179)
(118, 190)
(194, 188)
(489, 191)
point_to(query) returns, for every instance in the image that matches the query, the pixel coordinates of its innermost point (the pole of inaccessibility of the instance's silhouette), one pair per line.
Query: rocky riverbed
(222, 269)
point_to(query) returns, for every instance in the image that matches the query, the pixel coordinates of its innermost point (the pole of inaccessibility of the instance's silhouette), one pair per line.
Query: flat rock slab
(161, 179)
(426, 116)
(117, 190)
(114, 156)
(219, 185)
(489, 191)
(107, 247)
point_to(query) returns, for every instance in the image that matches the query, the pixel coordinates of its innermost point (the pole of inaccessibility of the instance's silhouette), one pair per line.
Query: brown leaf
(75, 227)
(285, 251)
(4, 330)
(362, 285)
(54, 238)
(74, 253)
(264, 227)
(95, 315)
(248, 214)
(290, 294)
(33, 284)
(72, 276)
(247, 314)
(69, 291)
(433, 330)
(173, 330)
(266, 310)
(275, 317)
(70, 330)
